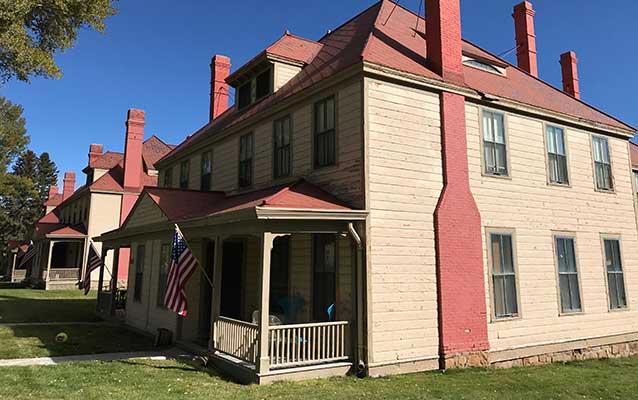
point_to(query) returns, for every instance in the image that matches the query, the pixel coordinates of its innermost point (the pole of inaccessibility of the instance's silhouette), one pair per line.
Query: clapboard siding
(404, 172)
(146, 212)
(534, 209)
(284, 73)
(343, 180)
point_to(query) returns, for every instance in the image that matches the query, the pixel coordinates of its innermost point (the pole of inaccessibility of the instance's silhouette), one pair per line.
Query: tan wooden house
(113, 182)
(389, 199)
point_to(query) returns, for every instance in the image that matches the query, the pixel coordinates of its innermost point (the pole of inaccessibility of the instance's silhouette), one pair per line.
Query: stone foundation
(468, 359)
(617, 350)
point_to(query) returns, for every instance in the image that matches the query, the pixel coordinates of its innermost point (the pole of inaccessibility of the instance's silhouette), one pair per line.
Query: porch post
(46, 282)
(100, 283)
(13, 264)
(114, 271)
(83, 260)
(263, 361)
(217, 287)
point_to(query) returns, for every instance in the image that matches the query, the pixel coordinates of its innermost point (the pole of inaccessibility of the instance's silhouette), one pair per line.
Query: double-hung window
(206, 171)
(602, 164)
(281, 151)
(567, 275)
(168, 177)
(139, 273)
(246, 160)
(165, 263)
(325, 146)
(503, 275)
(494, 144)
(615, 277)
(184, 172)
(557, 155)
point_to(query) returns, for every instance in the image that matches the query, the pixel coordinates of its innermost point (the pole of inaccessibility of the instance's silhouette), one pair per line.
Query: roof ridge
(377, 4)
(551, 86)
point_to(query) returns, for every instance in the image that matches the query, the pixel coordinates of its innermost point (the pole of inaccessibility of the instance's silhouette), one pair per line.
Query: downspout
(361, 366)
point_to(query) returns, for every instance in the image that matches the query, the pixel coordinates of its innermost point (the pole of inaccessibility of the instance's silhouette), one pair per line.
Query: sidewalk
(172, 353)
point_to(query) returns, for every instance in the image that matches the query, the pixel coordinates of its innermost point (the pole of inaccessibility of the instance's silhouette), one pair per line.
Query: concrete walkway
(172, 353)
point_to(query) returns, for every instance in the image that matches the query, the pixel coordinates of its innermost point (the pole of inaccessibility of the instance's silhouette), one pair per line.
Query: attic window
(255, 86)
(245, 94)
(482, 65)
(263, 84)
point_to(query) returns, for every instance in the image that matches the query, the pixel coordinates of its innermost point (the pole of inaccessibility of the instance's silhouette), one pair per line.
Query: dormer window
(254, 85)
(484, 65)
(244, 95)
(263, 84)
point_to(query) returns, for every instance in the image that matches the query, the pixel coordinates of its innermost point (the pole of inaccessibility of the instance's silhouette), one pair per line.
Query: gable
(146, 212)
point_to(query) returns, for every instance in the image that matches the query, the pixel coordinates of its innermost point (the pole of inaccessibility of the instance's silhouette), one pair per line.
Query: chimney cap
(134, 113)
(525, 6)
(69, 175)
(96, 148)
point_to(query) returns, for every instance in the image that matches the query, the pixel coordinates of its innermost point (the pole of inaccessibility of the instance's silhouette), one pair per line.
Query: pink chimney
(53, 191)
(219, 71)
(69, 185)
(525, 37)
(569, 67)
(133, 149)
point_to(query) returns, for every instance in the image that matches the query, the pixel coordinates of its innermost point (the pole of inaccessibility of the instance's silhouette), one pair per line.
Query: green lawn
(131, 380)
(29, 305)
(29, 341)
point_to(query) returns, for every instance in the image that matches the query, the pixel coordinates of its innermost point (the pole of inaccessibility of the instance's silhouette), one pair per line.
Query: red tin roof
(385, 35)
(179, 204)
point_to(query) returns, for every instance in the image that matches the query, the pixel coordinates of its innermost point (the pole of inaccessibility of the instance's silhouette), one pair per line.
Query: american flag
(28, 255)
(93, 262)
(183, 265)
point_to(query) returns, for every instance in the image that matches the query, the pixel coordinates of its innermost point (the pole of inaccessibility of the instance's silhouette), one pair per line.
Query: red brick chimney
(525, 37)
(443, 39)
(53, 191)
(569, 66)
(133, 149)
(94, 151)
(457, 221)
(219, 71)
(69, 185)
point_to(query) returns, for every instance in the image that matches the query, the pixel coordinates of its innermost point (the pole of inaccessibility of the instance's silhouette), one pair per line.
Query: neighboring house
(14, 272)
(113, 183)
(391, 199)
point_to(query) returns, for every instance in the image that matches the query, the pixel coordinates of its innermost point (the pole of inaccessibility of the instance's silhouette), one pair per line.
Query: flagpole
(198, 263)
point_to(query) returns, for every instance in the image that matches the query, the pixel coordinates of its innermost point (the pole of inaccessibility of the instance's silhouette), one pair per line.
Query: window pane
(620, 284)
(488, 133)
(510, 295)
(574, 292)
(330, 113)
(499, 128)
(490, 158)
(508, 259)
(499, 296)
(244, 97)
(501, 159)
(560, 141)
(497, 263)
(263, 84)
(551, 140)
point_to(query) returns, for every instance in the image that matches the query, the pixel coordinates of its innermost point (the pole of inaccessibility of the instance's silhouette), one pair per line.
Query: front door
(232, 268)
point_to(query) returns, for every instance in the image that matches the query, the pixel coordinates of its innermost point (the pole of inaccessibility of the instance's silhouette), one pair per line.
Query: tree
(47, 176)
(13, 138)
(16, 208)
(26, 165)
(32, 31)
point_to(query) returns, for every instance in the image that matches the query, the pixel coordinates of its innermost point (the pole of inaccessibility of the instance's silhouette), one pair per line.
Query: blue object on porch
(331, 312)
(291, 305)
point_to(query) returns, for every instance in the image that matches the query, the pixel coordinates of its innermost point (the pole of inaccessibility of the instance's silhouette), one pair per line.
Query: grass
(28, 341)
(30, 305)
(144, 379)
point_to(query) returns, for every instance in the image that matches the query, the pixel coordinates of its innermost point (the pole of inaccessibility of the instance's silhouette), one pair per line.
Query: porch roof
(299, 200)
(58, 230)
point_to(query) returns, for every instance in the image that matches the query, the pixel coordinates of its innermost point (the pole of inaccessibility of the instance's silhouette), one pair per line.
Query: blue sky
(157, 58)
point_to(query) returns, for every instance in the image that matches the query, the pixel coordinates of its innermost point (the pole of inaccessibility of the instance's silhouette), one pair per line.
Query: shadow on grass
(26, 341)
(20, 309)
(11, 285)
(183, 365)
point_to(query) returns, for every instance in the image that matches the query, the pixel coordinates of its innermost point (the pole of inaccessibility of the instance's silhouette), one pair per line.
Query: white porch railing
(307, 344)
(19, 275)
(237, 338)
(62, 274)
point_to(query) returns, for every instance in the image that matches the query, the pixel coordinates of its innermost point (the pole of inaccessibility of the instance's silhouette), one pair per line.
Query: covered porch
(287, 283)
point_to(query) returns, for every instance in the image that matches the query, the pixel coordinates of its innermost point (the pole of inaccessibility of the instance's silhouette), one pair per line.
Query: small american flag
(28, 255)
(93, 262)
(183, 265)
